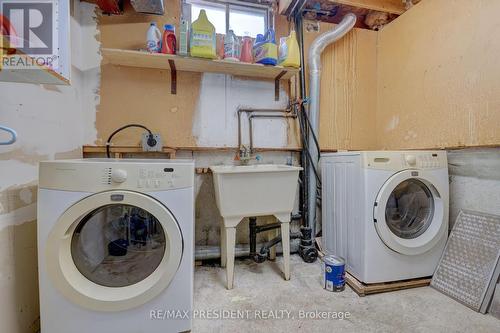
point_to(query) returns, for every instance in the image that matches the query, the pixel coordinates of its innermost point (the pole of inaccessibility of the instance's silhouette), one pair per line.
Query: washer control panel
(101, 175)
(399, 160)
(428, 161)
(149, 178)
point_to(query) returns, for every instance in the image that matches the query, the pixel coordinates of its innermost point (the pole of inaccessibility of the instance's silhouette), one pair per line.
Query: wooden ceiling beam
(388, 6)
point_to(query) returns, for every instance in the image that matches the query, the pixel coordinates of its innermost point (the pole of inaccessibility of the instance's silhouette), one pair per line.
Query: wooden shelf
(89, 149)
(175, 63)
(190, 64)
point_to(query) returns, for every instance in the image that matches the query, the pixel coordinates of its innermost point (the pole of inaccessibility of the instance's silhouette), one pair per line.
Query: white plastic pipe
(317, 47)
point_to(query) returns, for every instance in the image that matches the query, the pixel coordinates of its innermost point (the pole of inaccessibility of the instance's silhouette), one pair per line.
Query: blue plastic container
(265, 49)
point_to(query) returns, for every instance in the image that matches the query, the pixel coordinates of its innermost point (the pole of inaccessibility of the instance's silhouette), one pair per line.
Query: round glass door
(118, 245)
(409, 209)
(410, 215)
(114, 250)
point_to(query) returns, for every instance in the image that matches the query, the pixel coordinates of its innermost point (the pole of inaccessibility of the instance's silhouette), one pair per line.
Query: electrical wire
(151, 139)
(305, 145)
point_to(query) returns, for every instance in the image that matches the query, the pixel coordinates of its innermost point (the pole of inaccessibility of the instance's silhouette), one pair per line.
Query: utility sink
(255, 190)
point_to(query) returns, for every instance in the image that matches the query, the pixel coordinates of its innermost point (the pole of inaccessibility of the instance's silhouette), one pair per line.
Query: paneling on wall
(439, 77)
(348, 89)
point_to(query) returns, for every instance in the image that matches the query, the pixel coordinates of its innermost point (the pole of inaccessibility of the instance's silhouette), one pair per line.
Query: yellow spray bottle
(289, 55)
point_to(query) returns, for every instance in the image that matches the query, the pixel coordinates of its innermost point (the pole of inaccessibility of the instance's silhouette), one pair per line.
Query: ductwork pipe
(317, 47)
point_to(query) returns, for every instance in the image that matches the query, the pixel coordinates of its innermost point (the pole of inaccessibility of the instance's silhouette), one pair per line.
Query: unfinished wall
(348, 88)
(438, 76)
(52, 122)
(474, 181)
(202, 113)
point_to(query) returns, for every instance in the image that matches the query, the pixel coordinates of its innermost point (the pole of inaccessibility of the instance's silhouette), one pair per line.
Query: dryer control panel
(95, 175)
(400, 160)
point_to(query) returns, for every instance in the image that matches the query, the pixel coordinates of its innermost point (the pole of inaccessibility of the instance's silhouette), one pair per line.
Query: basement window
(244, 18)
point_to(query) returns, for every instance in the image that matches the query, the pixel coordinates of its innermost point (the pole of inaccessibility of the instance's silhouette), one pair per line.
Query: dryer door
(409, 213)
(114, 250)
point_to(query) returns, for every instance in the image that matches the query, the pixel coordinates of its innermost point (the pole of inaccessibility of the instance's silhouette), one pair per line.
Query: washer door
(409, 213)
(114, 250)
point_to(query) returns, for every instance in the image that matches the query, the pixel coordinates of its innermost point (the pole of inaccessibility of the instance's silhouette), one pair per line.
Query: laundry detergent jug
(289, 51)
(203, 38)
(169, 41)
(246, 50)
(265, 49)
(153, 38)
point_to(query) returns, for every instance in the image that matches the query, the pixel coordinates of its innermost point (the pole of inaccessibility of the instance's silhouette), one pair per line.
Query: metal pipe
(208, 252)
(250, 110)
(252, 226)
(303, 126)
(267, 227)
(317, 47)
(266, 116)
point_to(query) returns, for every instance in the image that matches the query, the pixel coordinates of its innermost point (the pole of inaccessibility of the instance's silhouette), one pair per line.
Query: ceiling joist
(388, 6)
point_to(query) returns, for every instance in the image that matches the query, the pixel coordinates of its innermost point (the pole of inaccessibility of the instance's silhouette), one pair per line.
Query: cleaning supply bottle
(169, 42)
(246, 50)
(265, 49)
(153, 38)
(203, 37)
(231, 47)
(184, 37)
(289, 51)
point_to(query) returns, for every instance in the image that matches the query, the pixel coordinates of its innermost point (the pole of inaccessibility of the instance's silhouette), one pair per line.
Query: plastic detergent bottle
(265, 49)
(246, 50)
(231, 47)
(203, 38)
(169, 42)
(153, 38)
(289, 51)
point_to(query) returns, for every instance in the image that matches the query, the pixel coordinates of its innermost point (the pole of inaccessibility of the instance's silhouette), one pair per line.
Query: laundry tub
(254, 190)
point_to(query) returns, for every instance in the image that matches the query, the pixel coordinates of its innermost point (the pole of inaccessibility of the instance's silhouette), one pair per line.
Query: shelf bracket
(277, 85)
(173, 77)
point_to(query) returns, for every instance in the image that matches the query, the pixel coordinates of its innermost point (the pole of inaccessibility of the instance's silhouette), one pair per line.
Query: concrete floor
(259, 289)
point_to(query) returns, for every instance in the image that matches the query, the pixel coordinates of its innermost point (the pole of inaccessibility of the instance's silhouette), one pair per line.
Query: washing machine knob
(411, 159)
(119, 175)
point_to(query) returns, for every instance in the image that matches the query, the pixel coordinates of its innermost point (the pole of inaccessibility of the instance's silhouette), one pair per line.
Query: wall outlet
(158, 145)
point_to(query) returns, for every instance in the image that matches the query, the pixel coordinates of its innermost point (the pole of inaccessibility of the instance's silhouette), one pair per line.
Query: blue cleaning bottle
(265, 49)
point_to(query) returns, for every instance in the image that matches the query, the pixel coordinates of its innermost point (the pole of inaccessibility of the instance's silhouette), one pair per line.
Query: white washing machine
(386, 212)
(115, 245)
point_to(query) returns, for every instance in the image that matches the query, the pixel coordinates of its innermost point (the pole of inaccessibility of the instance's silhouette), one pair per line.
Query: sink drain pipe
(317, 47)
(255, 229)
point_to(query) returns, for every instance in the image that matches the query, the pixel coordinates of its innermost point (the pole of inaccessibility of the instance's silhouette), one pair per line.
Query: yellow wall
(348, 90)
(439, 76)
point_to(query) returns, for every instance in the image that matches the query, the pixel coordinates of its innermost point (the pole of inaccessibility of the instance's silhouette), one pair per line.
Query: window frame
(237, 5)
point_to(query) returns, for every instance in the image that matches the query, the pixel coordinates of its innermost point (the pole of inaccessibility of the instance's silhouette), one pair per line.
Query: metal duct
(149, 6)
(317, 47)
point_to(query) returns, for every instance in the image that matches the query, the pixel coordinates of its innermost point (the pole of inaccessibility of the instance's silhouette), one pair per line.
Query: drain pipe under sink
(317, 47)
